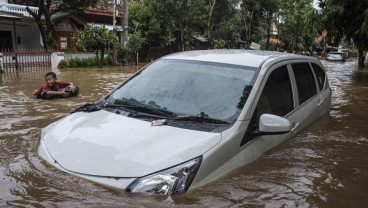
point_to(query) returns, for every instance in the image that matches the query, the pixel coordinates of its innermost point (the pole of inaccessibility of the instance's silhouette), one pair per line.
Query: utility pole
(124, 34)
(125, 23)
(114, 49)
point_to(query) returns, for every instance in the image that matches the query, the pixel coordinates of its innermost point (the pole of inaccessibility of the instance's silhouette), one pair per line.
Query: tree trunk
(137, 59)
(269, 23)
(182, 38)
(125, 23)
(248, 28)
(212, 4)
(361, 57)
(98, 59)
(45, 31)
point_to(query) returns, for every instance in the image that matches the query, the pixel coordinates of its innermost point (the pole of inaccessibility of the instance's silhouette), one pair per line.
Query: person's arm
(67, 84)
(62, 93)
(40, 90)
(37, 92)
(72, 87)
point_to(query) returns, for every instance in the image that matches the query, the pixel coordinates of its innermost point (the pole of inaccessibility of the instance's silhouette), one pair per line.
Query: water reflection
(323, 166)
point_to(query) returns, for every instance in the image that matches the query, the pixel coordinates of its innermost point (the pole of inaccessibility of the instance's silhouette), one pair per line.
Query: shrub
(82, 62)
(63, 64)
(108, 60)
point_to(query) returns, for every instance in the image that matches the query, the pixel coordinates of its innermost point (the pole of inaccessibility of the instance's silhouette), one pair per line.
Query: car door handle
(319, 102)
(294, 127)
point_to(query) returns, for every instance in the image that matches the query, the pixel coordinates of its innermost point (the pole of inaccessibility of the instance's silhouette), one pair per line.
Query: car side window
(320, 75)
(276, 98)
(305, 81)
(278, 93)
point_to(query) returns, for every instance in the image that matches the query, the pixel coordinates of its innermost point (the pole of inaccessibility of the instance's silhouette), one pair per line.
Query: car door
(306, 96)
(324, 94)
(290, 91)
(276, 96)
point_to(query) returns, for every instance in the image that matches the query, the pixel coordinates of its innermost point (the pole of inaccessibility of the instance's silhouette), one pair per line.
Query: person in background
(54, 89)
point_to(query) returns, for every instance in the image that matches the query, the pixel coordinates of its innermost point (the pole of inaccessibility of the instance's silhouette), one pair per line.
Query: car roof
(252, 58)
(336, 52)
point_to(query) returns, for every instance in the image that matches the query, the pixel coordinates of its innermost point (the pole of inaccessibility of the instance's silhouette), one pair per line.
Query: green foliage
(299, 25)
(135, 42)
(124, 53)
(83, 62)
(75, 62)
(134, 46)
(94, 38)
(219, 44)
(108, 60)
(63, 64)
(347, 19)
(97, 39)
(167, 23)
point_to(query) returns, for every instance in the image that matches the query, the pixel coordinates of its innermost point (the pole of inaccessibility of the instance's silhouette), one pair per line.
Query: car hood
(106, 144)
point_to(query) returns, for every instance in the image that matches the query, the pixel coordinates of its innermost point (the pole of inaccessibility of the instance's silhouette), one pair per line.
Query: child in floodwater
(54, 89)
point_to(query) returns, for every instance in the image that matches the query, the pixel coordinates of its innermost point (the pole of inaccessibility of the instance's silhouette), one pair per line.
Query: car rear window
(305, 81)
(320, 75)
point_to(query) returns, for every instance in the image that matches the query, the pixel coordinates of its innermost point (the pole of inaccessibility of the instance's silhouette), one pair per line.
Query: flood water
(326, 165)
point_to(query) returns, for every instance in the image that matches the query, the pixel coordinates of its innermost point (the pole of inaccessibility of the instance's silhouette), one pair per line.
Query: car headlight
(171, 181)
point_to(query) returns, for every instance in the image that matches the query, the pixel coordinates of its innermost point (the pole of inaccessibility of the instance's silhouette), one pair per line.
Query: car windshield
(189, 88)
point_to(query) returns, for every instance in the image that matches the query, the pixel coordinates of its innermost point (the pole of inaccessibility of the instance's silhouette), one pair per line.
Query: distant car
(188, 118)
(336, 56)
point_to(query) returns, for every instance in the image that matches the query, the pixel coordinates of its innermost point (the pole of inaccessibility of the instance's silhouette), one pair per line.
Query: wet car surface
(324, 165)
(220, 110)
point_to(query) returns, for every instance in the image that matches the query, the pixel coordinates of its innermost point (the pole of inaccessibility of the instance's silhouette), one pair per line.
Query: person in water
(55, 89)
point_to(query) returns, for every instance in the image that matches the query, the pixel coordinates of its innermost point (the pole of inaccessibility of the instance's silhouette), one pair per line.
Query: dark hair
(51, 74)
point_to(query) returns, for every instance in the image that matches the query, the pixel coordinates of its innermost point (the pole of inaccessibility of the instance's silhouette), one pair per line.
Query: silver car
(188, 118)
(336, 56)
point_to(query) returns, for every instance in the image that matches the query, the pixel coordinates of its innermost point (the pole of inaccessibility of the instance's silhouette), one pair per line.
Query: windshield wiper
(200, 119)
(88, 107)
(142, 109)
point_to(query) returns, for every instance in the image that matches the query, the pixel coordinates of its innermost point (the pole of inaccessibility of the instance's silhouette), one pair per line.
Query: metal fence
(27, 59)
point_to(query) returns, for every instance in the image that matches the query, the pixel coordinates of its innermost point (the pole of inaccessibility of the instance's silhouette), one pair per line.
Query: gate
(28, 59)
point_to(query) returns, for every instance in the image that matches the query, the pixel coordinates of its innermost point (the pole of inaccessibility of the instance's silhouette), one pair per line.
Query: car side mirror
(269, 124)
(272, 124)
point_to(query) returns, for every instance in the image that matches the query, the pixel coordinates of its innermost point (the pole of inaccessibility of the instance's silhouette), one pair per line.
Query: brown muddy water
(326, 165)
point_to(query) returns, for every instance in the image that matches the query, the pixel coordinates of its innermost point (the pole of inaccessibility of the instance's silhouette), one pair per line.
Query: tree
(211, 6)
(298, 26)
(155, 19)
(269, 10)
(347, 19)
(134, 44)
(97, 39)
(175, 22)
(167, 24)
(224, 25)
(47, 8)
(248, 14)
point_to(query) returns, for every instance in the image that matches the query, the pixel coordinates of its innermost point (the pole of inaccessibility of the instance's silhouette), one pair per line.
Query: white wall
(29, 35)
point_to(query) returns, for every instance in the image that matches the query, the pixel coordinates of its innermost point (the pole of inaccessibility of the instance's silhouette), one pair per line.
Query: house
(18, 29)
